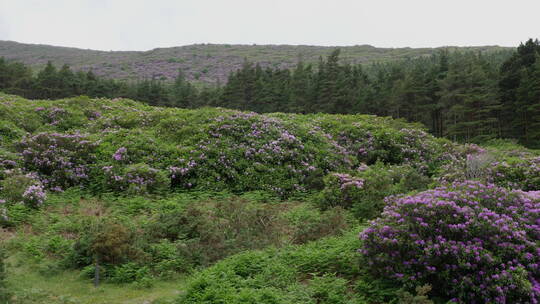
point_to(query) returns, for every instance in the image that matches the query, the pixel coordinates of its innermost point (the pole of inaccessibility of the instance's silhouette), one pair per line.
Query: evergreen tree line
(465, 96)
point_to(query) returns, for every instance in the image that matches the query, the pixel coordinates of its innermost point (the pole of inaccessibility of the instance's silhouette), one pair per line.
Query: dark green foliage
(105, 240)
(111, 242)
(308, 224)
(206, 232)
(325, 271)
(140, 239)
(129, 272)
(518, 89)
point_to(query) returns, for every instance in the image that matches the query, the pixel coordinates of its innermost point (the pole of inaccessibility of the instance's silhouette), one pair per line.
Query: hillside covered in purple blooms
(203, 63)
(210, 205)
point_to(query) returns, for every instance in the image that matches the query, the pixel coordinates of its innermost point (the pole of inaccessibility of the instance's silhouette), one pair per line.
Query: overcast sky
(146, 24)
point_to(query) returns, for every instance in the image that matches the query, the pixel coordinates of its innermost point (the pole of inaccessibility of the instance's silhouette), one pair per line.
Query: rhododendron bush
(136, 179)
(62, 160)
(248, 151)
(513, 169)
(95, 142)
(471, 241)
(363, 190)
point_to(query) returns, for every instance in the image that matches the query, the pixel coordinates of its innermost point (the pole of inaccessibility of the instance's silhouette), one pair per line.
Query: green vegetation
(211, 205)
(463, 96)
(221, 59)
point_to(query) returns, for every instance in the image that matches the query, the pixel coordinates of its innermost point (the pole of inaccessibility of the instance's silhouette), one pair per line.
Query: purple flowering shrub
(473, 242)
(341, 189)
(8, 161)
(133, 160)
(518, 173)
(92, 114)
(248, 151)
(136, 179)
(60, 118)
(22, 188)
(370, 139)
(34, 196)
(364, 190)
(61, 160)
(208, 149)
(287, 154)
(130, 146)
(507, 168)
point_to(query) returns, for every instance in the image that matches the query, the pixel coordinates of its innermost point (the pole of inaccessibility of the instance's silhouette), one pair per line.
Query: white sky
(147, 24)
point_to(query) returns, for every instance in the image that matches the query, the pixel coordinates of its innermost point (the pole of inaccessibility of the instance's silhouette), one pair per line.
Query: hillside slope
(209, 148)
(221, 206)
(207, 63)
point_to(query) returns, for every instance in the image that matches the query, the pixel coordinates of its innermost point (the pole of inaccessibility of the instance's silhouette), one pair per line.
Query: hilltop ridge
(205, 63)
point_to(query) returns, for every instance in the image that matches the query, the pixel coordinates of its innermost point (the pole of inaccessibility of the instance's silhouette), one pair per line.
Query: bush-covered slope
(121, 145)
(208, 63)
(272, 205)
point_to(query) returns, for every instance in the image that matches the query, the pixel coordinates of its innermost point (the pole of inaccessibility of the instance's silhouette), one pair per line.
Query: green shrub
(128, 273)
(211, 230)
(107, 240)
(420, 297)
(20, 190)
(364, 191)
(137, 179)
(168, 258)
(307, 223)
(330, 290)
(318, 272)
(88, 272)
(9, 131)
(14, 214)
(49, 268)
(14, 186)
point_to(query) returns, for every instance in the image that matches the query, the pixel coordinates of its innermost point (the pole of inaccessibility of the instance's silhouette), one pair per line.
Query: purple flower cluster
(60, 159)
(34, 196)
(92, 115)
(137, 178)
(346, 181)
(341, 189)
(474, 242)
(119, 154)
(6, 165)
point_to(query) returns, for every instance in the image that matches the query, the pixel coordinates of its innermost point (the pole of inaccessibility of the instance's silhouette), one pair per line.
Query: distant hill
(206, 63)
